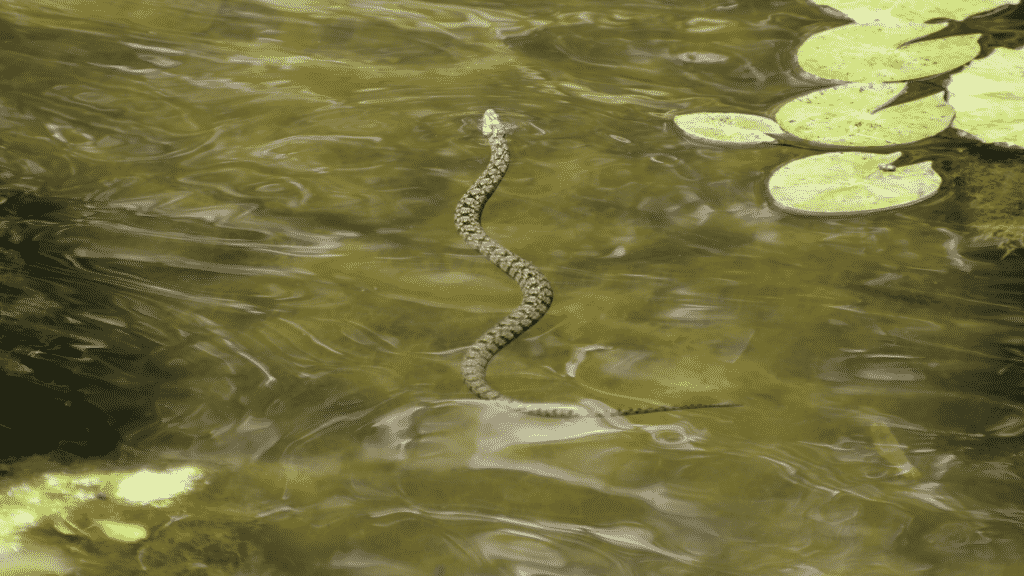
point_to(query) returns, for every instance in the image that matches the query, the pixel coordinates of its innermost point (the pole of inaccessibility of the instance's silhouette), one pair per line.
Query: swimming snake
(537, 294)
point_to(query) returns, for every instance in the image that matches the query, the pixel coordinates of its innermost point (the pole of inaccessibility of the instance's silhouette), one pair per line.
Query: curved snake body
(537, 294)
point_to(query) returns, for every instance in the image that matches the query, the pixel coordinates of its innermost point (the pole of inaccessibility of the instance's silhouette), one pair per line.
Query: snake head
(491, 124)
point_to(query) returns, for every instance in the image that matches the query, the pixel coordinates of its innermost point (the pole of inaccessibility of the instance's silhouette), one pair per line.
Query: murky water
(257, 255)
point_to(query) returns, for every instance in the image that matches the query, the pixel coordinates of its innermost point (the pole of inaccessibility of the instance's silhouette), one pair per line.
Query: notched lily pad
(855, 115)
(844, 183)
(884, 52)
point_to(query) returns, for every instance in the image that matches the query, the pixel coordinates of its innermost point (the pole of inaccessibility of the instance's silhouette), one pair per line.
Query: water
(258, 256)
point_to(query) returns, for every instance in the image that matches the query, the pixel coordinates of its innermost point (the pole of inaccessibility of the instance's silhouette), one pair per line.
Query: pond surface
(264, 192)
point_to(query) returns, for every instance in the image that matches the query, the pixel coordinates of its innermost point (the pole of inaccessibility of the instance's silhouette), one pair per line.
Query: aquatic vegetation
(878, 52)
(858, 182)
(97, 508)
(910, 10)
(862, 115)
(873, 107)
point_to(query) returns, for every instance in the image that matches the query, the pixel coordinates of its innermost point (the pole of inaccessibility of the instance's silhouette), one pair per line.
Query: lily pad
(729, 128)
(989, 97)
(843, 183)
(912, 10)
(883, 52)
(853, 115)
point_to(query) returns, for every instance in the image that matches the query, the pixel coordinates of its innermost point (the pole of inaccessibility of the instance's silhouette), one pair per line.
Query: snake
(537, 292)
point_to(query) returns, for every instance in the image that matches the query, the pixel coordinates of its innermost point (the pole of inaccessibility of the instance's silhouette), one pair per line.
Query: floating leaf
(729, 128)
(866, 11)
(881, 53)
(850, 115)
(843, 183)
(989, 97)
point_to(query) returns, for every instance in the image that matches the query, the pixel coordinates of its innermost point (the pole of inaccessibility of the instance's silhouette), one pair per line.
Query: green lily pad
(853, 115)
(866, 11)
(881, 52)
(989, 97)
(729, 128)
(843, 183)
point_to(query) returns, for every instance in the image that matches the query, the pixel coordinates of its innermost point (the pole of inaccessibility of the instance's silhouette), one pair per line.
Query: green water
(267, 191)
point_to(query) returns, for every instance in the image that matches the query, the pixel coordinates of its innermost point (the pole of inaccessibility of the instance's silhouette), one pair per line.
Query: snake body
(537, 294)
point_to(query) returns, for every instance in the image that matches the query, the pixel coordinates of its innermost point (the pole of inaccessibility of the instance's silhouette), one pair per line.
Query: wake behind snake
(537, 294)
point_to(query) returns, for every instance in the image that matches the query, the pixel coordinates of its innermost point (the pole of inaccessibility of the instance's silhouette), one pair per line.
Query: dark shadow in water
(56, 400)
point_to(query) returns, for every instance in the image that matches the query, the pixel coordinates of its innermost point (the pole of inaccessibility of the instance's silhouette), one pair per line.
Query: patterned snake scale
(537, 295)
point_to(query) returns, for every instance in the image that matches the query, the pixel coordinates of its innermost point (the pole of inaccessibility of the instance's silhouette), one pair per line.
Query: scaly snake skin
(536, 289)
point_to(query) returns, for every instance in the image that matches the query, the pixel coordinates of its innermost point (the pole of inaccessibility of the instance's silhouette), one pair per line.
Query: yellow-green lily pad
(884, 52)
(856, 115)
(844, 183)
(866, 11)
(729, 129)
(989, 97)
